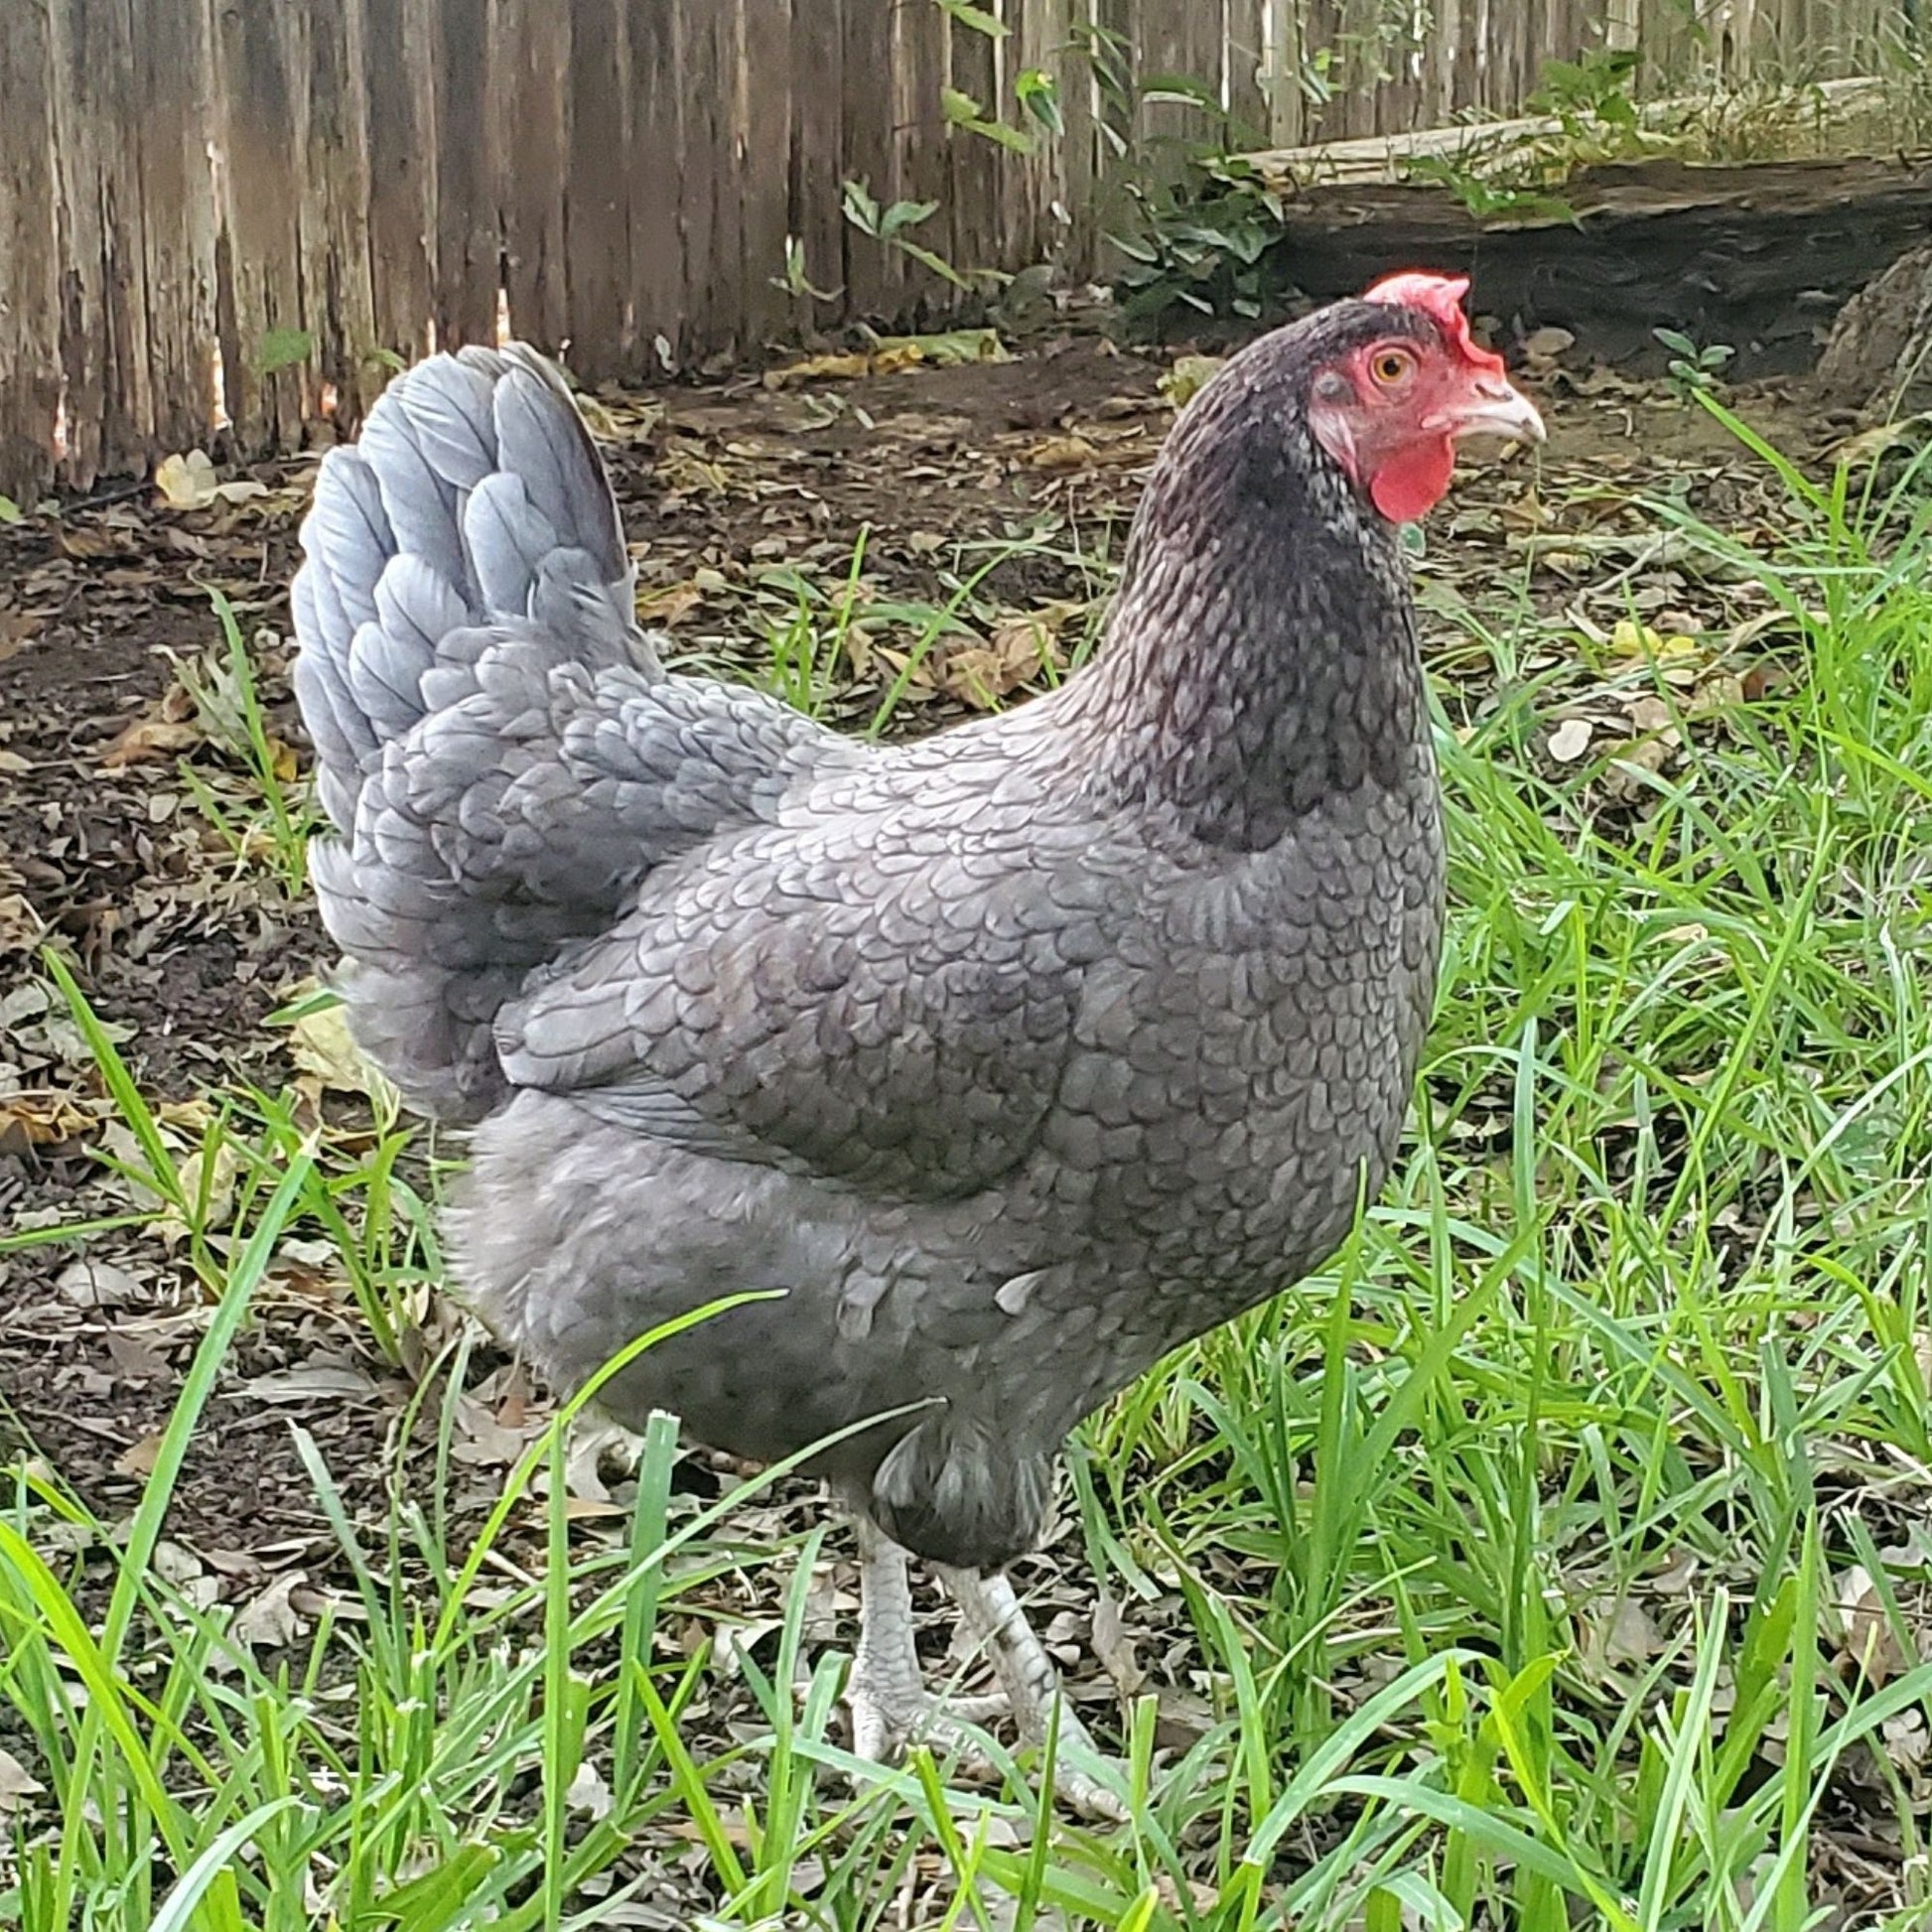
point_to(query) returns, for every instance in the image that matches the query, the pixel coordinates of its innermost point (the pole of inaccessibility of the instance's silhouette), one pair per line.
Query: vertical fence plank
(726, 265)
(1319, 29)
(1245, 29)
(924, 149)
(765, 97)
(711, 193)
(597, 213)
(969, 190)
(30, 344)
(175, 62)
(261, 108)
(870, 281)
(1082, 167)
(818, 140)
(1463, 67)
(402, 171)
(1035, 181)
(1288, 104)
(531, 98)
(700, 88)
(1186, 42)
(339, 295)
(469, 239)
(1116, 30)
(103, 319)
(658, 187)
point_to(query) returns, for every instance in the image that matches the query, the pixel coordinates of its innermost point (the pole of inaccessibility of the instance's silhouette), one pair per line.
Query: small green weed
(1694, 370)
(227, 699)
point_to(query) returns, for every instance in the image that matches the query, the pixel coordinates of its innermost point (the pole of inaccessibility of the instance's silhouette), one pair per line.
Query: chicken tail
(474, 498)
(465, 586)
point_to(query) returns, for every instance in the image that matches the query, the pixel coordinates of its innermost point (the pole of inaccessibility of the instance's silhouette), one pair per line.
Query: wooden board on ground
(1759, 256)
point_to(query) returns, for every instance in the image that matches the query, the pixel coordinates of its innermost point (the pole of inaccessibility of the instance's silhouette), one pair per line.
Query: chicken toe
(887, 1695)
(1032, 1686)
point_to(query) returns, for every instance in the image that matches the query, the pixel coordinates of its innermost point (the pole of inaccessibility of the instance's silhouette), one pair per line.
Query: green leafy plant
(1482, 193)
(1694, 370)
(797, 280)
(893, 224)
(1591, 97)
(282, 348)
(227, 698)
(1203, 247)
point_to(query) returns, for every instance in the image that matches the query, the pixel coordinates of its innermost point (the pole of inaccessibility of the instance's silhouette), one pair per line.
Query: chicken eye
(1391, 365)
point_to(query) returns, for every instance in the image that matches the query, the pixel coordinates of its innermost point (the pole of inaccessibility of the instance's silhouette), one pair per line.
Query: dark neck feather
(1261, 658)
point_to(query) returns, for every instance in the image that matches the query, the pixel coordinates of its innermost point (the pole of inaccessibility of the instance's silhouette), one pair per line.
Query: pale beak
(1495, 408)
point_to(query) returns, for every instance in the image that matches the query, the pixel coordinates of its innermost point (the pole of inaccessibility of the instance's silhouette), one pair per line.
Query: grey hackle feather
(1015, 1056)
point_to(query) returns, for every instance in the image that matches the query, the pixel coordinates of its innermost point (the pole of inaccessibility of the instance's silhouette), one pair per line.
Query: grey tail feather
(473, 517)
(474, 498)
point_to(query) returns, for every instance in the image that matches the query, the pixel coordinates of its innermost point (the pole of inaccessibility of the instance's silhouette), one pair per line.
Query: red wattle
(1411, 483)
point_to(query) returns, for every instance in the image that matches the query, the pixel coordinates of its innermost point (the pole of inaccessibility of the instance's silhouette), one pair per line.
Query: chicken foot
(993, 1615)
(886, 1694)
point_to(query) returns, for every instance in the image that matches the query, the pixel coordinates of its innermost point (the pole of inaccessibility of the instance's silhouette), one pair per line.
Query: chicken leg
(993, 1615)
(886, 1694)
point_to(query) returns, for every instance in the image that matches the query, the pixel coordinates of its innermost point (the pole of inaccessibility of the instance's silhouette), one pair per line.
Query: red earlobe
(1413, 480)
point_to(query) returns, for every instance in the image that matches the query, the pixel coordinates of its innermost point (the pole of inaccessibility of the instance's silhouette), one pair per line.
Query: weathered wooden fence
(247, 211)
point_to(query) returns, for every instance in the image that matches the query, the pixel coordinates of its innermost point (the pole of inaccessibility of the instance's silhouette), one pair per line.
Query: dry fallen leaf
(22, 928)
(16, 1783)
(39, 1117)
(1907, 1740)
(665, 607)
(320, 1043)
(1188, 377)
(187, 482)
(946, 349)
(979, 676)
(590, 1793)
(1863, 1628)
(166, 727)
(89, 1283)
(133, 1359)
(891, 353)
(1632, 640)
(1570, 739)
(1871, 444)
(269, 1621)
(1061, 455)
(482, 1440)
(1115, 1649)
(1626, 1636)
(208, 1190)
(812, 367)
(309, 1381)
(140, 1457)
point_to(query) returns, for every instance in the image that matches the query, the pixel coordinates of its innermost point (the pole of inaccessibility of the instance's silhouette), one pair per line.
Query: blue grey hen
(1014, 1057)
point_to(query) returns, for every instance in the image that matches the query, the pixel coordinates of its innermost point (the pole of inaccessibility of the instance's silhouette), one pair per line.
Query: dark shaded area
(1760, 256)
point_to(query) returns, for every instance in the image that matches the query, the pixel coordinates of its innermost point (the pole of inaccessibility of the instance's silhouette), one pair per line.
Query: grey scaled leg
(993, 1615)
(885, 1692)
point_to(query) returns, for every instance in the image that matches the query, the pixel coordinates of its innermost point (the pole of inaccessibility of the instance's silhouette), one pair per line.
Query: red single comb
(1440, 296)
